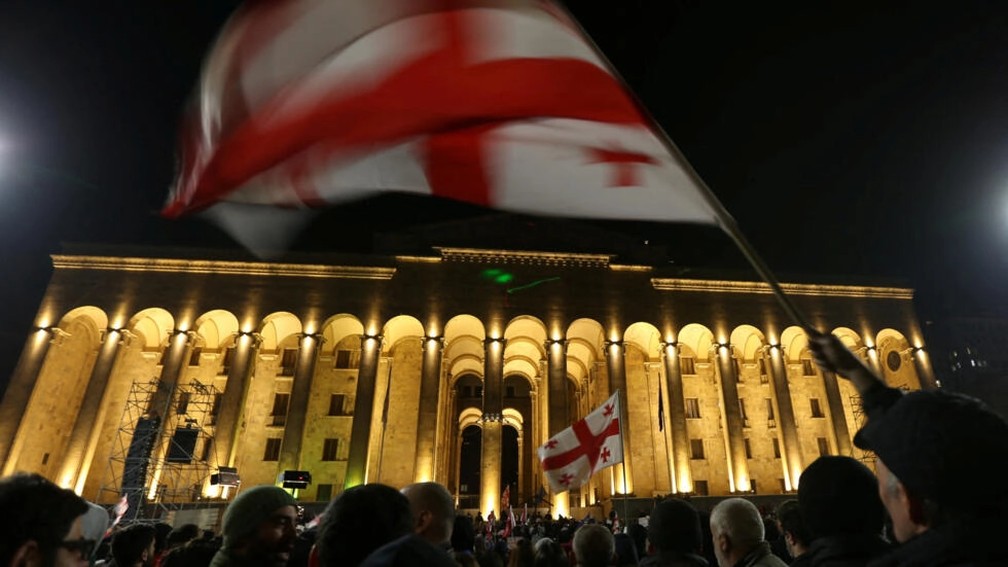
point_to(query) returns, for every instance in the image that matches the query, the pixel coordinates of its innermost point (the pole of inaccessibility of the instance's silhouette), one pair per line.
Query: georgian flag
(572, 456)
(309, 103)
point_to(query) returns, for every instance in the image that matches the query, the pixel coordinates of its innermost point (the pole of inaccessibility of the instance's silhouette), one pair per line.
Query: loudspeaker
(296, 479)
(225, 476)
(182, 446)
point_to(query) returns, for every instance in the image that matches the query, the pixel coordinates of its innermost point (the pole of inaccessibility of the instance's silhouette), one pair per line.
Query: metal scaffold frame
(162, 465)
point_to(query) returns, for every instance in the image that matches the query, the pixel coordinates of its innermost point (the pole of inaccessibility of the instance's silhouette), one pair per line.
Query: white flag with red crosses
(572, 456)
(310, 103)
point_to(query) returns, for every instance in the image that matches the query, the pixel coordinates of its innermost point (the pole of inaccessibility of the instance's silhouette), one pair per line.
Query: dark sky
(846, 138)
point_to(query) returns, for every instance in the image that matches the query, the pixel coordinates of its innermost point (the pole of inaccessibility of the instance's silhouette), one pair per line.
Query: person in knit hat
(941, 458)
(840, 506)
(259, 528)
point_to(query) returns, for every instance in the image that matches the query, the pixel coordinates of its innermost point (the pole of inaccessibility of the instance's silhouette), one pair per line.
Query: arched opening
(470, 452)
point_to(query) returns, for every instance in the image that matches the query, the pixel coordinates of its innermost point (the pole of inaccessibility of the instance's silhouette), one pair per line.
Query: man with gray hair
(433, 512)
(594, 546)
(737, 534)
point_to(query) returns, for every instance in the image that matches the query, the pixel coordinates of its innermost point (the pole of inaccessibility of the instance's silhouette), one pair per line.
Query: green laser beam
(533, 284)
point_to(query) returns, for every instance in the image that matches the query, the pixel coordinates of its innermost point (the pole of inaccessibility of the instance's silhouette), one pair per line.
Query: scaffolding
(163, 464)
(866, 457)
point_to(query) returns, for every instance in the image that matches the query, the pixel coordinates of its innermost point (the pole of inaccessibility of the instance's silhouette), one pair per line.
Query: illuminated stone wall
(383, 361)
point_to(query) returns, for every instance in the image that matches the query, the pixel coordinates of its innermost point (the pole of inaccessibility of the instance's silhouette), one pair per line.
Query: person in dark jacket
(840, 506)
(675, 537)
(738, 536)
(793, 532)
(941, 461)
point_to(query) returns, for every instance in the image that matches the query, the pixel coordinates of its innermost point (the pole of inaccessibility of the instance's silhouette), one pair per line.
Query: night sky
(846, 139)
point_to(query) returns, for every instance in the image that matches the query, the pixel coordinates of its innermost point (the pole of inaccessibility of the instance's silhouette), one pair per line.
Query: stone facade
(376, 369)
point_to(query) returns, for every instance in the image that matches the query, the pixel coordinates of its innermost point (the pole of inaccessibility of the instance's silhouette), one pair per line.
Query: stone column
(617, 381)
(873, 361)
(430, 384)
(87, 428)
(490, 473)
(556, 382)
(780, 394)
(297, 409)
(19, 389)
(174, 359)
(235, 396)
(360, 430)
(677, 417)
(922, 364)
(536, 439)
(738, 466)
(838, 419)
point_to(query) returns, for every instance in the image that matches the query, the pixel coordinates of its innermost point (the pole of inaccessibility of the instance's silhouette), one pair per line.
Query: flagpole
(724, 218)
(619, 412)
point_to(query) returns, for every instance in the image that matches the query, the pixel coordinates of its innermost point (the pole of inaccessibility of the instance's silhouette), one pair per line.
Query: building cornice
(728, 286)
(566, 259)
(219, 267)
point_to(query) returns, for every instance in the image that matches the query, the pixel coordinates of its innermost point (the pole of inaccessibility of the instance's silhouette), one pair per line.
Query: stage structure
(163, 455)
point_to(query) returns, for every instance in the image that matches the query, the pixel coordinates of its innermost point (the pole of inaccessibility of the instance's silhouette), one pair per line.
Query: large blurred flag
(594, 443)
(308, 103)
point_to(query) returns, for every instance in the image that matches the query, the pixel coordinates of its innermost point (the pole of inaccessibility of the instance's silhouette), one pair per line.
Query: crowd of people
(936, 499)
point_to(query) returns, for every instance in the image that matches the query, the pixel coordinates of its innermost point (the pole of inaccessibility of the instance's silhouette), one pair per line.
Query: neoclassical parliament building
(154, 370)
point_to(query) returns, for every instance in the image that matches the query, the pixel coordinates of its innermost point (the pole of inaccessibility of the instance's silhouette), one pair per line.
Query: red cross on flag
(308, 103)
(572, 456)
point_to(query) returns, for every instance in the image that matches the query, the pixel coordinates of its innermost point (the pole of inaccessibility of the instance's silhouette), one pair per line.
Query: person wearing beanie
(258, 528)
(840, 506)
(675, 537)
(941, 458)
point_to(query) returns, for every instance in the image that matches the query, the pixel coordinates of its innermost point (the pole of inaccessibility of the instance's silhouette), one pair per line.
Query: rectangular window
(226, 360)
(330, 449)
(687, 365)
(742, 413)
(776, 448)
(510, 392)
(45, 459)
(808, 367)
(279, 413)
(763, 376)
(477, 391)
(781, 485)
(823, 446)
(700, 488)
(183, 403)
(816, 407)
(195, 356)
(272, 452)
(748, 448)
(288, 361)
(323, 492)
(752, 485)
(696, 449)
(693, 408)
(347, 359)
(215, 408)
(337, 404)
